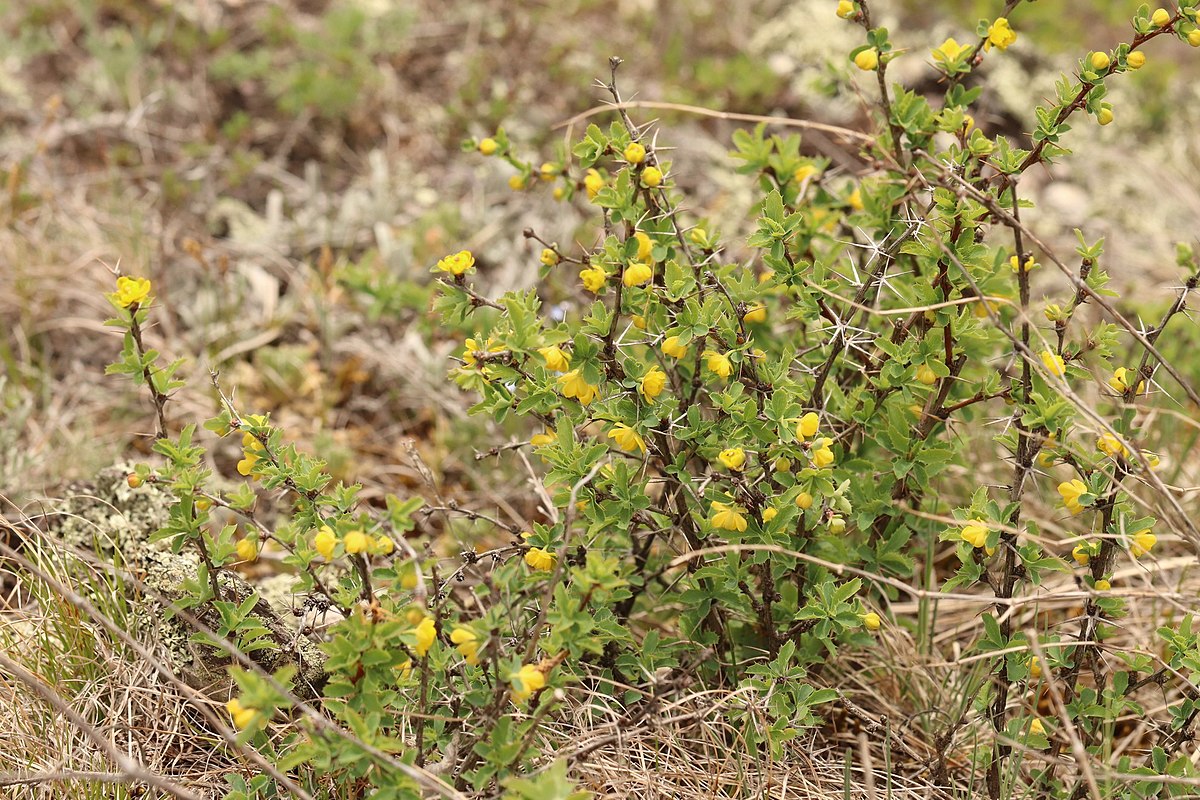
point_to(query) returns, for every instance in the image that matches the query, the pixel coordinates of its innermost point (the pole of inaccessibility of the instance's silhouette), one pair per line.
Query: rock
(116, 522)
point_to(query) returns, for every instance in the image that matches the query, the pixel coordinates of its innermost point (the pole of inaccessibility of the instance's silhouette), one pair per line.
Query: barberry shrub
(748, 451)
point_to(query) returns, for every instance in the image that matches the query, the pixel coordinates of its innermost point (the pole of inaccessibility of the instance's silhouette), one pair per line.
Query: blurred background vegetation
(286, 172)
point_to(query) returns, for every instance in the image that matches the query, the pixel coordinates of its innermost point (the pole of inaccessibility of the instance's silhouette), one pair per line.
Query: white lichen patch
(118, 523)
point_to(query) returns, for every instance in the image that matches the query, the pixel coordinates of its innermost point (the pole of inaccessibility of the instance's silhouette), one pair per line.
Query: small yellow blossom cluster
(1142, 543)
(1000, 35)
(247, 549)
(539, 560)
(572, 384)
(354, 542)
(1071, 491)
(424, 635)
(253, 451)
(466, 641)
(1030, 264)
(627, 438)
(526, 682)
(1111, 446)
(975, 533)
(1054, 363)
(718, 363)
(473, 346)
(729, 517)
(131, 291)
(1122, 380)
(241, 714)
(557, 359)
(456, 264)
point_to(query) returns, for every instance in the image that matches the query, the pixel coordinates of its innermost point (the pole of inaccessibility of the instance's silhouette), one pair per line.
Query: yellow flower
(652, 177)
(1035, 668)
(426, 635)
(467, 643)
(473, 346)
(1105, 115)
(458, 263)
(383, 546)
(1014, 263)
(975, 533)
(1193, 37)
(556, 358)
(526, 682)
(1099, 60)
(548, 171)
(1054, 363)
(415, 613)
(804, 501)
(573, 385)
(1102, 585)
(1160, 17)
(1054, 312)
(131, 291)
(488, 146)
(538, 559)
(871, 621)
(635, 153)
(636, 274)
(1120, 381)
(804, 172)
(770, 514)
(822, 456)
(540, 439)
(699, 236)
(325, 541)
(593, 279)
(516, 182)
(756, 314)
(1136, 59)
(356, 542)
(728, 517)
(867, 60)
(733, 458)
(645, 247)
(1000, 35)
(1141, 543)
(559, 193)
(242, 716)
(845, 9)
(808, 425)
(405, 668)
(855, 200)
(718, 363)
(1071, 491)
(652, 384)
(627, 438)
(247, 550)
(593, 181)
(548, 257)
(1036, 728)
(1111, 446)
(1152, 459)
(247, 464)
(1082, 553)
(926, 375)
(949, 51)
(671, 347)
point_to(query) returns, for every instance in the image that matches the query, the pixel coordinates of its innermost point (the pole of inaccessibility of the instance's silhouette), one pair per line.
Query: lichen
(118, 523)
